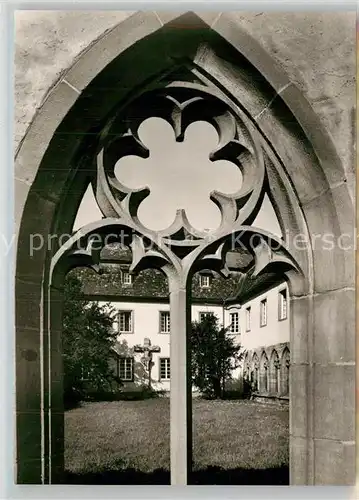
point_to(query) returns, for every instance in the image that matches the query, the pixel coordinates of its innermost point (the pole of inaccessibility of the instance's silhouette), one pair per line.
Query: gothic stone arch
(307, 188)
(274, 373)
(263, 374)
(255, 372)
(284, 372)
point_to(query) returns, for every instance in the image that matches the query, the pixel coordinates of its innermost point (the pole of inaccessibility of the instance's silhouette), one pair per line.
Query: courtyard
(127, 442)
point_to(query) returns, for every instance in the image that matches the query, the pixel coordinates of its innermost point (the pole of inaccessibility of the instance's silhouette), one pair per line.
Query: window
(165, 322)
(125, 369)
(125, 321)
(203, 315)
(126, 278)
(204, 281)
(282, 306)
(263, 312)
(165, 369)
(248, 319)
(234, 326)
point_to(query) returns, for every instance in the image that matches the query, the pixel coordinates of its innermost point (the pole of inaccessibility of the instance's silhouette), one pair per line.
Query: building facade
(255, 313)
(265, 323)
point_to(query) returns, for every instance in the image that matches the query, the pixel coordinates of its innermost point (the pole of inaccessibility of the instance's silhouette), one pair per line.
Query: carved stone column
(181, 393)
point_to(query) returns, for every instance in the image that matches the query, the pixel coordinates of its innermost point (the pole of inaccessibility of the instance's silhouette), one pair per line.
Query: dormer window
(126, 278)
(204, 281)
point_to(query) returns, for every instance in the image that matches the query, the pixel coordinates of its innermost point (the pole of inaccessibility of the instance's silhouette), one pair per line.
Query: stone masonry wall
(316, 49)
(318, 53)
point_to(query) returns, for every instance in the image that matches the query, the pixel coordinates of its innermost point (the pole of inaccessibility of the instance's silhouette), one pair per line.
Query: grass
(234, 442)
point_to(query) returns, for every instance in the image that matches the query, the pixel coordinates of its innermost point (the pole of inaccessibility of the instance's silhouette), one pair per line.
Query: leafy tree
(88, 336)
(214, 356)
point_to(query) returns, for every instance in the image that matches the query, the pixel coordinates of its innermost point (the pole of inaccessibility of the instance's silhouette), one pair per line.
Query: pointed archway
(306, 184)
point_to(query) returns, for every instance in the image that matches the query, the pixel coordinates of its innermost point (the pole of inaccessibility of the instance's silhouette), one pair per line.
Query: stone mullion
(181, 395)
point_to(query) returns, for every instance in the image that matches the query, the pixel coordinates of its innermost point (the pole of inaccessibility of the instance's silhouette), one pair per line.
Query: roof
(115, 252)
(151, 284)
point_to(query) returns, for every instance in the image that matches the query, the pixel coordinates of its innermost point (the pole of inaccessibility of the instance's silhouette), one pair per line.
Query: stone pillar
(181, 394)
(56, 445)
(29, 379)
(300, 391)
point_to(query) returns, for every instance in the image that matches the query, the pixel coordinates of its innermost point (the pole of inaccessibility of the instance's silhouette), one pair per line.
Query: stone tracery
(181, 246)
(284, 368)
(179, 250)
(300, 126)
(274, 372)
(263, 374)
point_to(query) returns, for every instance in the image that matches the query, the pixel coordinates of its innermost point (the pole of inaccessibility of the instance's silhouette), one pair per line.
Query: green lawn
(234, 442)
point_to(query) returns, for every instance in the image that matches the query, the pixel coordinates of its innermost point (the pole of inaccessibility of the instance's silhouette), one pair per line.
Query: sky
(179, 175)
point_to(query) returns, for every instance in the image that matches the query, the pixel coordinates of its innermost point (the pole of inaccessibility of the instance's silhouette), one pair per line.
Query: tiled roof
(236, 259)
(151, 283)
(116, 253)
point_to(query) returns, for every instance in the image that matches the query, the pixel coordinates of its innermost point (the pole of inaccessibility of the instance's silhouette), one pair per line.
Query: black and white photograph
(184, 247)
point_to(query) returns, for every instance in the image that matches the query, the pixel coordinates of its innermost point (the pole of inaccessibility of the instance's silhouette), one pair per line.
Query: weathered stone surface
(286, 36)
(181, 394)
(42, 130)
(322, 44)
(333, 265)
(57, 369)
(298, 461)
(28, 434)
(117, 40)
(295, 151)
(227, 27)
(32, 239)
(298, 400)
(57, 437)
(347, 240)
(300, 323)
(28, 371)
(27, 305)
(254, 98)
(60, 36)
(208, 17)
(21, 190)
(334, 393)
(334, 462)
(316, 133)
(330, 310)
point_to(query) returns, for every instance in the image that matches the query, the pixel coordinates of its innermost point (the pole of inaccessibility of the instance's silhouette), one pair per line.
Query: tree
(214, 356)
(88, 337)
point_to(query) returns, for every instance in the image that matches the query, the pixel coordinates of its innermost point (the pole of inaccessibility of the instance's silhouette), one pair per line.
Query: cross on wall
(147, 350)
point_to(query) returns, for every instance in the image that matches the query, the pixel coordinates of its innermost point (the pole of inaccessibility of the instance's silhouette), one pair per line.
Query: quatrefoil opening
(236, 144)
